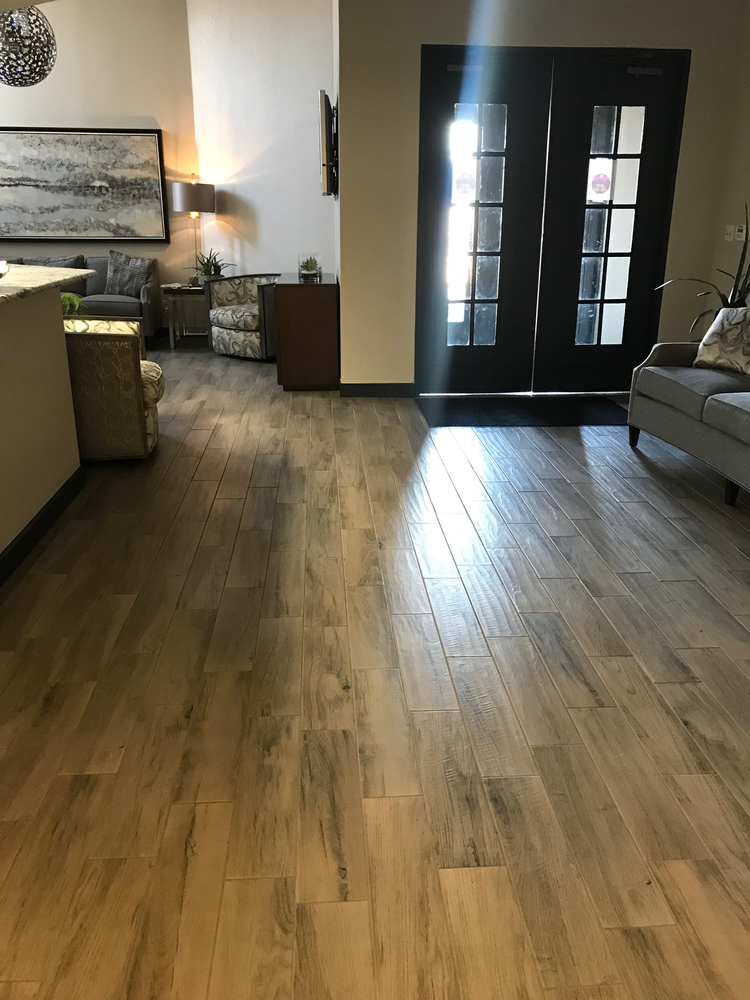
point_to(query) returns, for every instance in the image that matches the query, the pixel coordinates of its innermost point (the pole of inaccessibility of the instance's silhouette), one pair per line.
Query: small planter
(208, 265)
(310, 268)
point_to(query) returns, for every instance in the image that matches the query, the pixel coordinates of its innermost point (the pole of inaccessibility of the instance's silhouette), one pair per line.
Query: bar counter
(40, 470)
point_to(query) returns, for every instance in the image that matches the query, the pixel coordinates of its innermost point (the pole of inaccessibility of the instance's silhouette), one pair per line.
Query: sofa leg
(634, 433)
(731, 491)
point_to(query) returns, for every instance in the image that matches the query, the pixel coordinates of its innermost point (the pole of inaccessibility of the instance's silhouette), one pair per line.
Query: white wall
(257, 68)
(379, 103)
(119, 65)
(243, 81)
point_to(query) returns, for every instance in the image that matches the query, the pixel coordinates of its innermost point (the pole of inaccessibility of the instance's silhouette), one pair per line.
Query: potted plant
(738, 295)
(310, 268)
(72, 305)
(208, 265)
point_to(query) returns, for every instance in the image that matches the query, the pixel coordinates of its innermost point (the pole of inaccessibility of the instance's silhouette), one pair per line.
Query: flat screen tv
(328, 146)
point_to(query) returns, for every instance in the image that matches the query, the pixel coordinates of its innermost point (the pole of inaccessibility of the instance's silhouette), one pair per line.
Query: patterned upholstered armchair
(115, 391)
(241, 315)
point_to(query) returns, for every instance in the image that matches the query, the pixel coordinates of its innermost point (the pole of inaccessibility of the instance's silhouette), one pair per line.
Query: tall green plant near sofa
(737, 297)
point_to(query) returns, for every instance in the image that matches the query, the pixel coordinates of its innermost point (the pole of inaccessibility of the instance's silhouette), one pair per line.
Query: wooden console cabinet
(307, 332)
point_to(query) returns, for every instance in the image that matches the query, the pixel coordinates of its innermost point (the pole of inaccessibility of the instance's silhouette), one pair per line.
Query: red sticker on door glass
(465, 183)
(600, 183)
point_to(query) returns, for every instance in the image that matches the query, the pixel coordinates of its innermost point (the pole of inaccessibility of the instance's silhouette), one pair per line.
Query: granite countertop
(26, 279)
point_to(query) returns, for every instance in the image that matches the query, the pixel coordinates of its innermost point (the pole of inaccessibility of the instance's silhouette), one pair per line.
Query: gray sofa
(146, 307)
(704, 411)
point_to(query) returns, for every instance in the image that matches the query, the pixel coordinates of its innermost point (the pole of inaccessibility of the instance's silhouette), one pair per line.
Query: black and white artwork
(82, 185)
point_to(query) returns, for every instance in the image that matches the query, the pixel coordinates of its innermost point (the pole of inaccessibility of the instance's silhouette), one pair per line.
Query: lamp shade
(188, 197)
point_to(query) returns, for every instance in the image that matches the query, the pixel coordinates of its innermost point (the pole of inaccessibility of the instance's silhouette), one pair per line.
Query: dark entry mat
(521, 411)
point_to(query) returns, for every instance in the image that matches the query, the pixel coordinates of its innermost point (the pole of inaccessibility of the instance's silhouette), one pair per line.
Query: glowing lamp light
(195, 199)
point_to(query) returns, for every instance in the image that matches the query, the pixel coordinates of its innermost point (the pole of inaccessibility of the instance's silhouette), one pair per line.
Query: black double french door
(545, 194)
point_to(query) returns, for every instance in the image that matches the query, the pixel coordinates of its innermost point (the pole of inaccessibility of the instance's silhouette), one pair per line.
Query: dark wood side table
(307, 332)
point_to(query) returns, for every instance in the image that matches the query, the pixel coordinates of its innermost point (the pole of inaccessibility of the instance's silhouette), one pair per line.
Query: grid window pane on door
(475, 223)
(611, 197)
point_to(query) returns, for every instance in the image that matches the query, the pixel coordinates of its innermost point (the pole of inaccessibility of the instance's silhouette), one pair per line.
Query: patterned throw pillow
(126, 275)
(726, 345)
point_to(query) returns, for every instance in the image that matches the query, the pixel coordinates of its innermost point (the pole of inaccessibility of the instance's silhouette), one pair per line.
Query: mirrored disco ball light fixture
(27, 47)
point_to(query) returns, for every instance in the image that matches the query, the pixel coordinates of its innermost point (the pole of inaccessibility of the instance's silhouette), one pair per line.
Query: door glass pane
(460, 229)
(463, 146)
(459, 276)
(626, 182)
(594, 230)
(613, 322)
(467, 113)
(618, 270)
(464, 181)
(488, 270)
(600, 181)
(493, 127)
(603, 129)
(631, 130)
(489, 229)
(591, 278)
(621, 230)
(485, 321)
(458, 324)
(588, 322)
(491, 177)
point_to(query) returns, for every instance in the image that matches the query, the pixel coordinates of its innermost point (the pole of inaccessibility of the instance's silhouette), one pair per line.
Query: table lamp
(196, 199)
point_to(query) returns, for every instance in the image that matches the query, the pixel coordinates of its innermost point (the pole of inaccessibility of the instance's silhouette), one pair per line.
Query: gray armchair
(241, 315)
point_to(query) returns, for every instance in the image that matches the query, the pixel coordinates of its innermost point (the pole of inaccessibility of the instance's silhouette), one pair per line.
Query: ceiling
(15, 4)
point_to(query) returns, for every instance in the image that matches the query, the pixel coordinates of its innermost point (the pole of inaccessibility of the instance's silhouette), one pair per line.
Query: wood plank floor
(318, 704)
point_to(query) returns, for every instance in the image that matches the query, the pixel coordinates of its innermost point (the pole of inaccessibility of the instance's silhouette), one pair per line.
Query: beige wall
(119, 65)
(257, 68)
(379, 103)
(736, 190)
(38, 444)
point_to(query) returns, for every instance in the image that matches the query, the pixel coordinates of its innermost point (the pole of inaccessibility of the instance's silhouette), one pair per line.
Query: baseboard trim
(397, 390)
(14, 553)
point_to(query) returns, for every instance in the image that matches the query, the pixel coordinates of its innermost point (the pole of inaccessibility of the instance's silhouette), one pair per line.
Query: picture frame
(67, 185)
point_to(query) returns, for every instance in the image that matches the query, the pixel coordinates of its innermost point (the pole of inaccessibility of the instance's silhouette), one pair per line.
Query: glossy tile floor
(317, 704)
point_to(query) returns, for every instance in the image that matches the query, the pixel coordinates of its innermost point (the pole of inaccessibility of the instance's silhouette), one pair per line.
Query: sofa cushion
(729, 412)
(97, 283)
(75, 260)
(77, 285)
(112, 305)
(687, 389)
(236, 317)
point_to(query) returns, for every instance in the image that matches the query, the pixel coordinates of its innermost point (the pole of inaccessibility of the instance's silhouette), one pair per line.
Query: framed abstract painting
(79, 184)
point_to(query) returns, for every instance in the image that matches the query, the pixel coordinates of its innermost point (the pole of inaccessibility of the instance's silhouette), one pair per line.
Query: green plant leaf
(738, 282)
(701, 281)
(699, 317)
(72, 304)
(209, 264)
